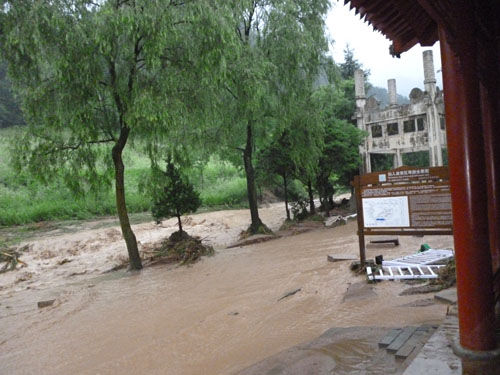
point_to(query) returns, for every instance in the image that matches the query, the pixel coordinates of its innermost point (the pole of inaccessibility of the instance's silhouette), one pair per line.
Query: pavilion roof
(405, 22)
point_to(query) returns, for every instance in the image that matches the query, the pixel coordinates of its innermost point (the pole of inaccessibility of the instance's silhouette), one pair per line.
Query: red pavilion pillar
(468, 179)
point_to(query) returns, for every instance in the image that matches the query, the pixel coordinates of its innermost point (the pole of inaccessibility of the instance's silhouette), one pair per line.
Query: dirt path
(215, 317)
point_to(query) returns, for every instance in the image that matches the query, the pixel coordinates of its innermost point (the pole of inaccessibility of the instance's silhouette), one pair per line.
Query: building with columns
(399, 129)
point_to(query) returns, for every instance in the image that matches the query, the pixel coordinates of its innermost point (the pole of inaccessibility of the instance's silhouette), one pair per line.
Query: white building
(399, 129)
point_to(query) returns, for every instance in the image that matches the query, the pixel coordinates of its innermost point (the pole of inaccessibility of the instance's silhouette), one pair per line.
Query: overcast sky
(371, 49)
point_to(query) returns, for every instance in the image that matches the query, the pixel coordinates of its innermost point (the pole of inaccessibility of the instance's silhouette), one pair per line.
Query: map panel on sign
(387, 212)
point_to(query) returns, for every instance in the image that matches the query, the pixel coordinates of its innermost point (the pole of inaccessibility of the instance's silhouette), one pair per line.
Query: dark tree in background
(10, 113)
(176, 198)
(276, 159)
(350, 64)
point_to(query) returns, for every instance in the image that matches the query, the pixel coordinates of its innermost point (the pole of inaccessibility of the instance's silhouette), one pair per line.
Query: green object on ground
(424, 247)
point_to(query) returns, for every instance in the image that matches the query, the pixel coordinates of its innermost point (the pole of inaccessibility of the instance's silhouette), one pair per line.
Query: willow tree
(279, 41)
(96, 76)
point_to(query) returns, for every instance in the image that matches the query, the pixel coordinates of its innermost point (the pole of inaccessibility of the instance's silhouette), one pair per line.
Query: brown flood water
(215, 317)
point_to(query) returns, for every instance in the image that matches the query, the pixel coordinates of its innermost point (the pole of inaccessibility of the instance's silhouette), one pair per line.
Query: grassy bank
(24, 199)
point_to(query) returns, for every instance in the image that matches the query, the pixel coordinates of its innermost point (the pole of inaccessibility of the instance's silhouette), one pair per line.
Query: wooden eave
(404, 22)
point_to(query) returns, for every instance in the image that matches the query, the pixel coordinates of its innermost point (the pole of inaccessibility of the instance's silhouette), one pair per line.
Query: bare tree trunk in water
(121, 207)
(180, 223)
(250, 176)
(286, 196)
(312, 209)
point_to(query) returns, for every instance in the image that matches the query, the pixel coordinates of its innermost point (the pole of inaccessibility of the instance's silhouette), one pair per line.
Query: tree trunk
(286, 196)
(180, 223)
(250, 176)
(352, 201)
(326, 205)
(312, 209)
(121, 207)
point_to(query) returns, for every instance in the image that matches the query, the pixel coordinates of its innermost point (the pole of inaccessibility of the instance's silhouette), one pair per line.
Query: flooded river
(216, 317)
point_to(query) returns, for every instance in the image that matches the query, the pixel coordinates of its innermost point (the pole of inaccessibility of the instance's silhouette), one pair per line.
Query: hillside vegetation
(24, 199)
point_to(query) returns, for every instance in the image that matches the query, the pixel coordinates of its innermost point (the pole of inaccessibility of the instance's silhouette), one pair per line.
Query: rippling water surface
(215, 317)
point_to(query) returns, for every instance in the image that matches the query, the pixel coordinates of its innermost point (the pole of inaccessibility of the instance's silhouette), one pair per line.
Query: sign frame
(412, 183)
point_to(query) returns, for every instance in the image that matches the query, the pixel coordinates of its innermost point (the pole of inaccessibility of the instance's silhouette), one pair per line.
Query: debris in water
(289, 294)
(394, 241)
(339, 257)
(77, 273)
(11, 259)
(47, 303)
(180, 247)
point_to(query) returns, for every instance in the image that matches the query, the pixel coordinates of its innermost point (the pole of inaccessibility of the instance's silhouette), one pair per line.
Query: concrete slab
(437, 357)
(359, 291)
(340, 257)
(447, 295)
(352, 350)
(401, 339)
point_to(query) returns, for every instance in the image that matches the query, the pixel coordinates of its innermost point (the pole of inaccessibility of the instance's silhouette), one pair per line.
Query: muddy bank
(63, 254)
(218, 316)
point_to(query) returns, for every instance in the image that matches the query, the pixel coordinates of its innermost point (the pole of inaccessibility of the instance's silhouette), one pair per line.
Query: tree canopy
(95, 76)
(240, 78)
(280, 42)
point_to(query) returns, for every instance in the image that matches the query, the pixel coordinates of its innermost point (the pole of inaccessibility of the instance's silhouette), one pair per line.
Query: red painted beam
(468, 192)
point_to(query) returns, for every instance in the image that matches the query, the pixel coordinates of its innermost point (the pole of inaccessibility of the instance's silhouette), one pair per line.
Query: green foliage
(277, 157)
(299, 209)
(340, 153)
(231, 193)
(279, 44)
(444, 152)
(94, 76)
(176, 196)
(116, 66)
(347, 69)
(416, 159)
(24, 199)
(381, 162)
(350, 64)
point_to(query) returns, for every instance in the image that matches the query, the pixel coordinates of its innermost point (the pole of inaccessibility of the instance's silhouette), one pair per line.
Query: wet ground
(218, 316)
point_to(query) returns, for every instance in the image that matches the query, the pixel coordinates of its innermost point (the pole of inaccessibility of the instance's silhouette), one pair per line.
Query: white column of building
(359, 87)
(435, 152)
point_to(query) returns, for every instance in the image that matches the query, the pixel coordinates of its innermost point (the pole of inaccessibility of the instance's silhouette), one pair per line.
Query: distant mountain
(382, 96)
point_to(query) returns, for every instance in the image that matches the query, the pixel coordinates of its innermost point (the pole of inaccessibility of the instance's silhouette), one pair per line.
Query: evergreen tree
(350, 64)
(177, 196)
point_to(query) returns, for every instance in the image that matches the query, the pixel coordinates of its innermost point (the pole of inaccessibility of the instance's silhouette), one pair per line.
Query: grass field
(24, 199)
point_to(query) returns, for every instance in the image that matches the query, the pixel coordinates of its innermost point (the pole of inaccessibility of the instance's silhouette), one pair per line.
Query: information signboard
(403, 201)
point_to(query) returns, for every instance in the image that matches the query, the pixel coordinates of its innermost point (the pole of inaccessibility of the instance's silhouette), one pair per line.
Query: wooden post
(468, 191)
(361, 227)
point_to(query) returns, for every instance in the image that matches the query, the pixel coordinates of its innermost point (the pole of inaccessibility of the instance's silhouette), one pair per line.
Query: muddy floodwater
(217, 316)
